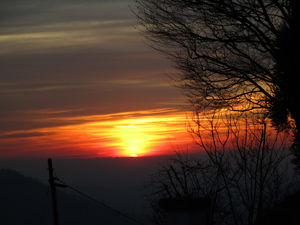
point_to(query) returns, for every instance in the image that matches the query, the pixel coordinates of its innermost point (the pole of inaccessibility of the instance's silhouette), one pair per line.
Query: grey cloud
(99, 65)
(26, 134)
(82, 65)
(20, 14)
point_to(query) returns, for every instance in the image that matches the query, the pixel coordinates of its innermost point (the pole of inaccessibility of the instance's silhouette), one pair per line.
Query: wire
(95, 200)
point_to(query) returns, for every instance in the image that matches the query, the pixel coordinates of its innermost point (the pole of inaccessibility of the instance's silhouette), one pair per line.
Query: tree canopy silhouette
(244, 170)
(240, 55)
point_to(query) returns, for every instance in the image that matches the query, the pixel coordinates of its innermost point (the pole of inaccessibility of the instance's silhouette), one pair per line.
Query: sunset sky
(77, 80)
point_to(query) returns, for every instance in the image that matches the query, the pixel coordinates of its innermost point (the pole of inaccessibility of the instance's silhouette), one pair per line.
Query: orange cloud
(139, 133)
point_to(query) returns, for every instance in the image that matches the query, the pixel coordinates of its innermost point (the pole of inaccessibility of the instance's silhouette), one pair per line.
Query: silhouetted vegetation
(246, 170)
(238, 55)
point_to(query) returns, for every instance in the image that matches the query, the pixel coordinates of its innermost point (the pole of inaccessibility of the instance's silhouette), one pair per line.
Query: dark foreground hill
(24, 200)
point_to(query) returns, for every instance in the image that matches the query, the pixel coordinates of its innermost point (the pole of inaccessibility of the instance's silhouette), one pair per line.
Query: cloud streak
(121, 134)
(64, 65)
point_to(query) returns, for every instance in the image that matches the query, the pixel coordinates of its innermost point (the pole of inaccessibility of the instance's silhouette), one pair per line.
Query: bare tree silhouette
(245, 170)
(240, 55)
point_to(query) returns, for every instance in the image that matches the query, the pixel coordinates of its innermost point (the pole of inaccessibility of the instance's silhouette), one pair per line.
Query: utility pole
(53, 192)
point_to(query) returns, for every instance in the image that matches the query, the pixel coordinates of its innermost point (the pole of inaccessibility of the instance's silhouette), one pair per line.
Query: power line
(95, 200)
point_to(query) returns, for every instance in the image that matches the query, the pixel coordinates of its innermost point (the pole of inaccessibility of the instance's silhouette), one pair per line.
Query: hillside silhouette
(25, 200)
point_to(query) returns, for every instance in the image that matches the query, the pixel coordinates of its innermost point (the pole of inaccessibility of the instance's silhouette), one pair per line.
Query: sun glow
(126, 134)
(134, 139)
(140, 136)
(137, 139)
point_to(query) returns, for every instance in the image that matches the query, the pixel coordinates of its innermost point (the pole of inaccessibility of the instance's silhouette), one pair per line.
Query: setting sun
(126, 134)
(141, 136)
(134, 139)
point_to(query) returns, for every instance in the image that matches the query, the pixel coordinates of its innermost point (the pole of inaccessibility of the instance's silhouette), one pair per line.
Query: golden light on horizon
(133, 139)
(126, 134)
(141, 136)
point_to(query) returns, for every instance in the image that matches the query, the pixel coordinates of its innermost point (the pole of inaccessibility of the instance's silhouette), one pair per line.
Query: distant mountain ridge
(22, 199)
(27, 201)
